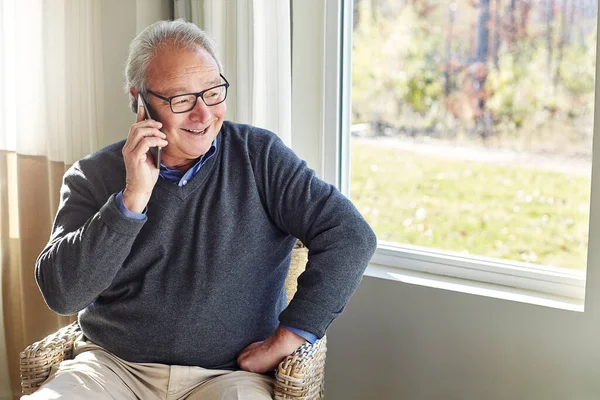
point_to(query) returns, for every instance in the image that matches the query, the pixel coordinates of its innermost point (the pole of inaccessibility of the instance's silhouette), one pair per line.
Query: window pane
(472, 125)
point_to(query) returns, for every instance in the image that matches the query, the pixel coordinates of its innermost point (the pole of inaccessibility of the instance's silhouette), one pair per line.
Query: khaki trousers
(95, 373)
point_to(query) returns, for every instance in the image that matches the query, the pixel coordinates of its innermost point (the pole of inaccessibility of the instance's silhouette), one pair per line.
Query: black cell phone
(155, 152)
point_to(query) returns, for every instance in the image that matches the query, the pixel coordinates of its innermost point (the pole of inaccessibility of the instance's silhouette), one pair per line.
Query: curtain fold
(254, 42)
(51, 114)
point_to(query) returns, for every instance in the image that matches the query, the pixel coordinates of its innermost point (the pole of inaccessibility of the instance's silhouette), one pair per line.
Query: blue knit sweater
(203, 275)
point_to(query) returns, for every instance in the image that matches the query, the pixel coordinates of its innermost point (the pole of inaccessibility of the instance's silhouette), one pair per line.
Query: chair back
(297, 266)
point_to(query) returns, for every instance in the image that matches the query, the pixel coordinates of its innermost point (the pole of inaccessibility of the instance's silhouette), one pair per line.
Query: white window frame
(393, 261)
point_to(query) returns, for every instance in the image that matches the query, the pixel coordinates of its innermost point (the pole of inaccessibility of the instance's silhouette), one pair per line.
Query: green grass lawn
(487, 209)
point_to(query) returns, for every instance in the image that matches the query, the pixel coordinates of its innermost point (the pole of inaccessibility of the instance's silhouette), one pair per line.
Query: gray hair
(148, 43)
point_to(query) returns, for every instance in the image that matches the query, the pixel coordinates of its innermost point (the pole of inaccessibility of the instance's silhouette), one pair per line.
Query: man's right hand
(141, 173)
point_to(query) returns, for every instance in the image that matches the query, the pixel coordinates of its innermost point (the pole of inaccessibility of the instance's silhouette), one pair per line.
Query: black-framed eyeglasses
(186, 102)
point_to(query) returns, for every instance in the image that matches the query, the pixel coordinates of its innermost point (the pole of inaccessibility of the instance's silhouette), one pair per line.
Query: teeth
(195, 131)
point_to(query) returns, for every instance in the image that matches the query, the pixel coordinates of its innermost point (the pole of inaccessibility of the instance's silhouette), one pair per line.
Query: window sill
(473, 287)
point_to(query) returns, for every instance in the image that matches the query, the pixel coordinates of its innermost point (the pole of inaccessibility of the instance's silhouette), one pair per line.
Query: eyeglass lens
(211, 97)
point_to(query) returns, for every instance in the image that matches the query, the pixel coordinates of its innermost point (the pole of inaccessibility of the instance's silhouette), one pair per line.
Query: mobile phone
(155, 152)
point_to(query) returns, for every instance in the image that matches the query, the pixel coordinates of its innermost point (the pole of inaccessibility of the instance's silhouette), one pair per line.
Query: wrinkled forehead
(174, 69)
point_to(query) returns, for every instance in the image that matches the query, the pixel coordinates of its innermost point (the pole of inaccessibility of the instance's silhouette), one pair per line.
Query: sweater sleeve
(87, 247)
(339, 240)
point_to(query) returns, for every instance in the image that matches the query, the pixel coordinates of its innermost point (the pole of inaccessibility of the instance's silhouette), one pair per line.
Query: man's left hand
(261, 357)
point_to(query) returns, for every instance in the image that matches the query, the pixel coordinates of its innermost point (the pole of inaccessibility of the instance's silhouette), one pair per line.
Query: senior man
(178, 272)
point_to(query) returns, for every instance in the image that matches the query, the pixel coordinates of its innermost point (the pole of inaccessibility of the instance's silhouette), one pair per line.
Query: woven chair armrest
(301, 375)
(38, 358)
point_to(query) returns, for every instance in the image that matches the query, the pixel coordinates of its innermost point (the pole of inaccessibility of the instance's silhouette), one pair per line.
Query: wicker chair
(300, 376)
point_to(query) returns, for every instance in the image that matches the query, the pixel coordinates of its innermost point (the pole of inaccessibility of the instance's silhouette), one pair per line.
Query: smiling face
(174, 71)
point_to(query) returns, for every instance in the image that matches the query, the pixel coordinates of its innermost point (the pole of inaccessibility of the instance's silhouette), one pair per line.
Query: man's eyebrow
(173, 91)
(216, 81)
(182, 90)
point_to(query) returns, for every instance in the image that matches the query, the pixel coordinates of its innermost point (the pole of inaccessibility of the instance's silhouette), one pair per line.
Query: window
(468, 143)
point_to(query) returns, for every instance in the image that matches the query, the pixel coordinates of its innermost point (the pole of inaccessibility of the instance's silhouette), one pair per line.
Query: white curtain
(51, 84)
(51, 114)
(254, 42)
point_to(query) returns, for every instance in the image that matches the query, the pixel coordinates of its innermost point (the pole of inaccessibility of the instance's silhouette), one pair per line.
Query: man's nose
(201, 112)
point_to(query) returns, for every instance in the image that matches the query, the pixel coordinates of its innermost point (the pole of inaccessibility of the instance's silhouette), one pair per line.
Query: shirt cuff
(125, 211)
(309, 337)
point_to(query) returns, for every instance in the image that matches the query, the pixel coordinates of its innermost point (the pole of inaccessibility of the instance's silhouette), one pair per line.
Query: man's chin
(198, 146)
(199, 152)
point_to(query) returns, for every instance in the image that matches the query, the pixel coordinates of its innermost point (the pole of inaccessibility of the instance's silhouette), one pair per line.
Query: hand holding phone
(155, 152)
(141, 175)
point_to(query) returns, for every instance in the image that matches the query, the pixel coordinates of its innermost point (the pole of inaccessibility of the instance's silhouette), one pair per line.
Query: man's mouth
(195, 131)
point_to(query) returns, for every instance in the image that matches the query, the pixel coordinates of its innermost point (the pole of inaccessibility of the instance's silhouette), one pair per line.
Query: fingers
(141, 130)
(258, 358)
(141, 172)
(142, 146)
(142, 113)
(264, 356)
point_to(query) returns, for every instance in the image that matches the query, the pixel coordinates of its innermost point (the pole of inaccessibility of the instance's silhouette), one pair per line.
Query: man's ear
(134, 103)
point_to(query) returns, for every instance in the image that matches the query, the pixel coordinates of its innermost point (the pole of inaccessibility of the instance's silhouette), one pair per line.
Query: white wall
(307, 77)
(149, 11)
(402, 341)
(121, 22)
